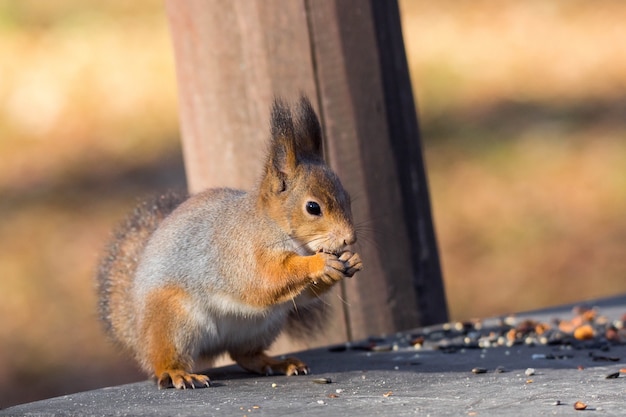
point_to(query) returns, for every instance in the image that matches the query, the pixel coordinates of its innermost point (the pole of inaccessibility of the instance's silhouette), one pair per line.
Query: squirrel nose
(350, 239)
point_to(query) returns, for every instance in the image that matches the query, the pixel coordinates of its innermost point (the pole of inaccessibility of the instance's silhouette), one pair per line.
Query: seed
(510, 320)
(511, 335)
(613, 375)
(529, 371)
(322, 380)
(388, 394)
(381, 348)
(557, 402)
(584, 332)
(500, 369)
(418, 341)
(541, 328)
(612, 335)
(579, 405)
(479, 370)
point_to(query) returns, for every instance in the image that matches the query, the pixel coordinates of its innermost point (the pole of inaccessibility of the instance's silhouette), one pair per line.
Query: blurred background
(522, 107)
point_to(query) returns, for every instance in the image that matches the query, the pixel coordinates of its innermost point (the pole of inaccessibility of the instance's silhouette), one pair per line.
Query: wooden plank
(406, 145)
(367, 105)
(356, 110)
(232, 58)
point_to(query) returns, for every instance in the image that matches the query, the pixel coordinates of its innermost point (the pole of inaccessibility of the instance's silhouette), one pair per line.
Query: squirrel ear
(282, 158)
(308, 132)
(293, 142)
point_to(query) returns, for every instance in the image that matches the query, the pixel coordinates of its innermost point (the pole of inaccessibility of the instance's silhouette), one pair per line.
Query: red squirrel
(225, 270)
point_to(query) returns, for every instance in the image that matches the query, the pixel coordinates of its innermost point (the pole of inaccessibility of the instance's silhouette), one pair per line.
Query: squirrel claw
(263, 364)
(182, 380)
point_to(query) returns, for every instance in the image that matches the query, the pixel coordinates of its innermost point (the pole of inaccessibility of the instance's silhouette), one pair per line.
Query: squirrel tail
(309, 320)
(117, 268)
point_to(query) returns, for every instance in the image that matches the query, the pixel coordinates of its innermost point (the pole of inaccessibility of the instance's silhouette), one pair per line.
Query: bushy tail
(117, 268)
(308, 321)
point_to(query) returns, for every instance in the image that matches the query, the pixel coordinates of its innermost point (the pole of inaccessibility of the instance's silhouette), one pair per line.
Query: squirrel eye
(313, 208)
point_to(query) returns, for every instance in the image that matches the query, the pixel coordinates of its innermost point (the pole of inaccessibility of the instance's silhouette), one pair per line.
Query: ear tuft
(308, 132)
(281, 120)
(282, 154)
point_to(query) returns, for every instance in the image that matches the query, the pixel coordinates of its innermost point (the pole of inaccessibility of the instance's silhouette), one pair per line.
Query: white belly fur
(232, 326)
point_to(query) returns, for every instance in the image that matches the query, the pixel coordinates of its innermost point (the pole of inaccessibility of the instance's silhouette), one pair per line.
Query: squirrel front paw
(339, 267)
(352, 262)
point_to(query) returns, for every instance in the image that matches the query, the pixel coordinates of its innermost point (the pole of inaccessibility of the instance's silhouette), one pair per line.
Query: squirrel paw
(179, 379)
(291, 366)
(352, 262)
(263, 364)
(339, 267)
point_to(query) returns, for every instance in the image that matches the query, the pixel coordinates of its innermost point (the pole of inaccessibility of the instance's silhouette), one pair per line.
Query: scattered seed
(322, 380)
(579, 405)
(584, 332)
(541, 328)
(529, 381)
(388, 394)
(511, 335)
(563, 356)
(418, 341)
(580, 368)
(479, 370)
(274, 385)
(500, 369)
(529, 372)
(332, 395)
(613, 375)
(321, 402)
(612, 335)
(557, 402)
(381, 348)
(510, 320)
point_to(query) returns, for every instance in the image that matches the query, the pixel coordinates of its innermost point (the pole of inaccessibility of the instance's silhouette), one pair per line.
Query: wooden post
(348, 57)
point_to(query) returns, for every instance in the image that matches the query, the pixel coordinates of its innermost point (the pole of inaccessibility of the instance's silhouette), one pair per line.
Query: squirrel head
(298, 190)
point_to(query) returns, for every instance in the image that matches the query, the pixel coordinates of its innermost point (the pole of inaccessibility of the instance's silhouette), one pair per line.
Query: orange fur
(165, 316)
(283, 277)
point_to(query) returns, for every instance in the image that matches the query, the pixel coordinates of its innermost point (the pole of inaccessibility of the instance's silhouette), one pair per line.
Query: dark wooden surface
(348, 56)
(400, 381)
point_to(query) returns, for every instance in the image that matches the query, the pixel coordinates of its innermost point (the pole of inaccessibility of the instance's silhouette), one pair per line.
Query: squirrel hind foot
(262, 364)
(180, 379)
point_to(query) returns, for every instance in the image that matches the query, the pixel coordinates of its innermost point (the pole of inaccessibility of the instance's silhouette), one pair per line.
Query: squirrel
(225, 270)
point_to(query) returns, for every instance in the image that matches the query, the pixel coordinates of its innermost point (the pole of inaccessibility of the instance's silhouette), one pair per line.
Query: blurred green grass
(522, 109)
